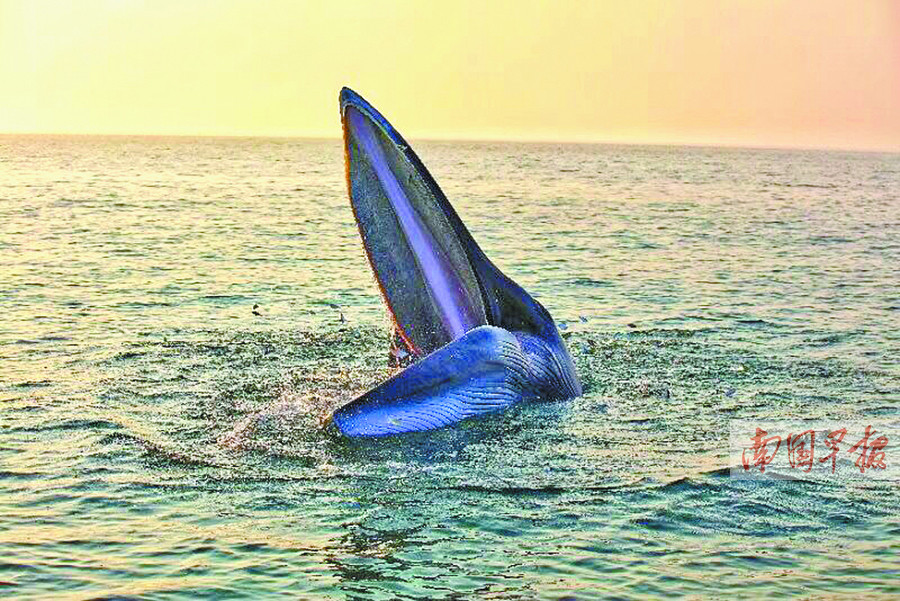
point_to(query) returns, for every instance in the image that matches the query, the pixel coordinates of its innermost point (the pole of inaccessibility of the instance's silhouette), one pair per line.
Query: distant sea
(158, 440)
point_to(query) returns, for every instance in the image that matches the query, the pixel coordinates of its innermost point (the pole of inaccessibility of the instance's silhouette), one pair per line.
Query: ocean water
(158, 440)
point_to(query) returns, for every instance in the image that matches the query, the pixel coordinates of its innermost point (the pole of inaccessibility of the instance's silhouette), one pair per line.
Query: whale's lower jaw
(485, 371)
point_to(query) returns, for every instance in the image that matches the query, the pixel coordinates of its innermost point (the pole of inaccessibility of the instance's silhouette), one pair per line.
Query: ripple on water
(160, 440)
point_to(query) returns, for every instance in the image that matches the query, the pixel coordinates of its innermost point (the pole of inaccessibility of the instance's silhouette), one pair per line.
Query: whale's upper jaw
(423, 269)
(436, 281)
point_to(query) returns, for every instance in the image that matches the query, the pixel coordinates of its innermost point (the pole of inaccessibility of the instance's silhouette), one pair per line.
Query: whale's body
(479, 342)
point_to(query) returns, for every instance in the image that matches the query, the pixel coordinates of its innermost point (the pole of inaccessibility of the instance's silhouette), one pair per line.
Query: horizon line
(485, 140)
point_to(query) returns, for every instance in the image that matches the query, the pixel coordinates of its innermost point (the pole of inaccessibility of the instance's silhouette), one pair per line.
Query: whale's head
(481, 342)
(436, 281)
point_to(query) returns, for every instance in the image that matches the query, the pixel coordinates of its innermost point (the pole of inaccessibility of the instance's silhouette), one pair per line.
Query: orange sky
(822, 73)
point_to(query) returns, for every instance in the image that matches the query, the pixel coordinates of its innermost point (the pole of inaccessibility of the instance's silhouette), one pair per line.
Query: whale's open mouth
(422, 265)
(481, 341)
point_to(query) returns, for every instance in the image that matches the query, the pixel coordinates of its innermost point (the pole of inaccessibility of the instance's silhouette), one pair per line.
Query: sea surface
(159, 440)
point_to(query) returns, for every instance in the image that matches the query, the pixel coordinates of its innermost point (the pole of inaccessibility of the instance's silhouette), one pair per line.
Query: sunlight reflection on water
(159, 439)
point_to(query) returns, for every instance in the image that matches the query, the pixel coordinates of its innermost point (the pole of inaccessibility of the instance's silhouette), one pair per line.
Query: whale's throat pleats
(423, 270)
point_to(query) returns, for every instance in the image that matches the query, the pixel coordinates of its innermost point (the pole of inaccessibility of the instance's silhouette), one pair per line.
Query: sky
(792, 73)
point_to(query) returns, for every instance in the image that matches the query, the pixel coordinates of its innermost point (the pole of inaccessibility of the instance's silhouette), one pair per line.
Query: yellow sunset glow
(820, 73)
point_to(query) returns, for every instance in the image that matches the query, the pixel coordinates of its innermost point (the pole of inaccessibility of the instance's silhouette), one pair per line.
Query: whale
(475, 343)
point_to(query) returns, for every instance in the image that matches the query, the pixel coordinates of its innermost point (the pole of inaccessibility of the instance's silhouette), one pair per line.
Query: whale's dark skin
(479, 343)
